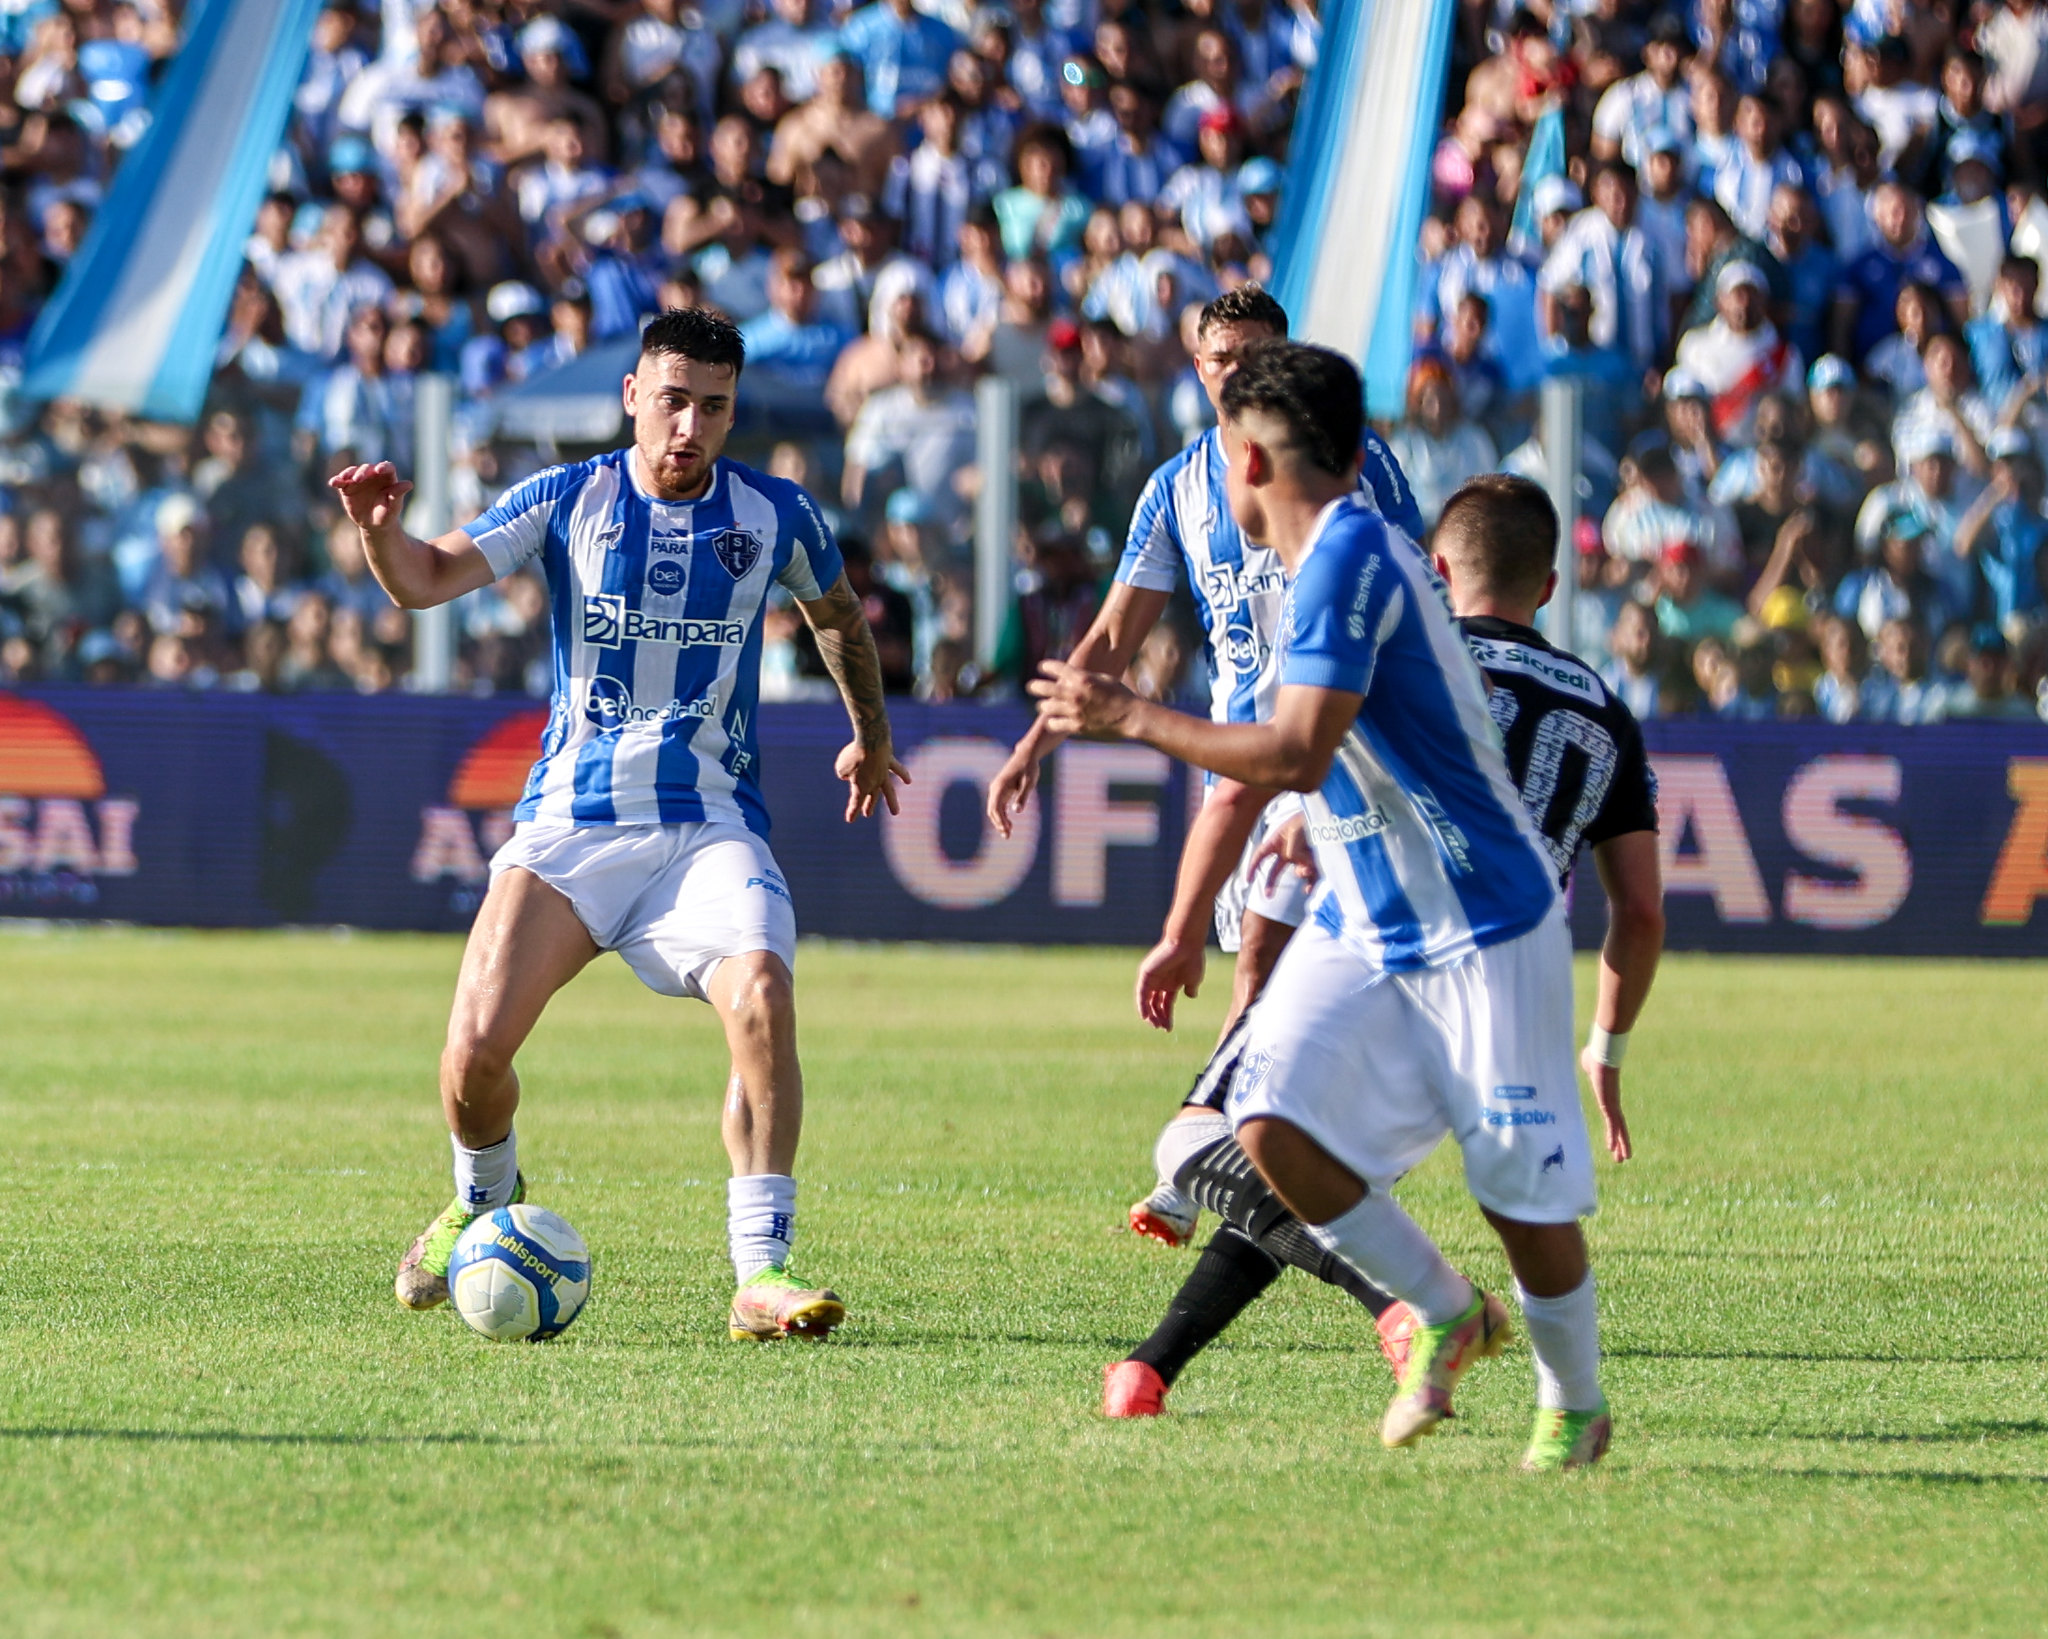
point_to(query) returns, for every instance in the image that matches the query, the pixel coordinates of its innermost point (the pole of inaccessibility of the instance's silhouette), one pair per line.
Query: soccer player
(642, 829)
(1183, 526)
(1576, 755)
(1430, 989)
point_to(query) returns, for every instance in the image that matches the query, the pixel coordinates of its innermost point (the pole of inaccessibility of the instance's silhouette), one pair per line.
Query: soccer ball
(519, 1275)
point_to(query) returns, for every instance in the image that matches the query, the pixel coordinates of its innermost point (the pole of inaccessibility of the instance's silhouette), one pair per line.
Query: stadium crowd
(1787, 244)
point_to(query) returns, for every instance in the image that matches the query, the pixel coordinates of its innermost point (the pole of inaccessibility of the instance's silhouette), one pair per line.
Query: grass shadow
(175, 1436)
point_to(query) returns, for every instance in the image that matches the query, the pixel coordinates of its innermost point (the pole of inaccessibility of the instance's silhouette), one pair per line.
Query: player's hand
(1011, 789)
(1169, 967)
(1286, 848)
(371, 494)
(1606, 1080)
(1073, 701)
(869, 772)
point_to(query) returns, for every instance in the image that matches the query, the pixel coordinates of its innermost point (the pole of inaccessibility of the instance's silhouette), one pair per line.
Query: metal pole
(995, 511)
(1563, 448)
(433, 513)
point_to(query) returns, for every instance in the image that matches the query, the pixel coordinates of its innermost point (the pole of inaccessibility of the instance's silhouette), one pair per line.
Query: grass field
(1821, 1280)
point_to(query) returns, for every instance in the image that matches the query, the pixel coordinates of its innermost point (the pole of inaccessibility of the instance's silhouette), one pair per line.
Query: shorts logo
(1251, 1074)
(1521, 1118)
(665, 576)
(771, 884)
(607, 623)
(738, 549)
(1514, 1092)
(1554, 1159)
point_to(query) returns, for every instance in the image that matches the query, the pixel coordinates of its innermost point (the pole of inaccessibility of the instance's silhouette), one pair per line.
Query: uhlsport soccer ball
(519, 1274)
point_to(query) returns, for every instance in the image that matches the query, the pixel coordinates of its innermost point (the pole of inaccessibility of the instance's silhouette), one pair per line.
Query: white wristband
(1608, 1047)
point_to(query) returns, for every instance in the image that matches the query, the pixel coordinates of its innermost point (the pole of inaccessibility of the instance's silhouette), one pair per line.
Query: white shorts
(673, 900)
(1376, 1067)
(1285, 902)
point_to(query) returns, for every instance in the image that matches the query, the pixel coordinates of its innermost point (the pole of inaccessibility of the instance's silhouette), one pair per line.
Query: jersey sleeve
(814, 565)
(1391, 491)
(1345, 601)
(1152, 551)
(1631, 802)
(513, 532)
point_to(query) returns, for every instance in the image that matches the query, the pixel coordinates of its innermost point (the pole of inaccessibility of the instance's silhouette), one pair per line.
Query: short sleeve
(513, 532)
(1152, 551)
(1342, 606)
(1631, 801)
(814, 565)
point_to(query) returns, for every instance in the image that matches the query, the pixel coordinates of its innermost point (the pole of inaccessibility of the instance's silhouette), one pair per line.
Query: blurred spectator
(1898, 689)
(1438, 448)
(1687, 606)
(1986, 689)
(789, 344)
(1057, 596)
(1740, 355)
(921, 427)
(2004, 533)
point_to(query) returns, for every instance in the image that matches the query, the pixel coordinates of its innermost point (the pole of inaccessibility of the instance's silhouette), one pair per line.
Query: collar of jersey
(1495, 626)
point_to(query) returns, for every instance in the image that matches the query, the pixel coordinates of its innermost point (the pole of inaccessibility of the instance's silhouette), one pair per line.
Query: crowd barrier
(252, 810)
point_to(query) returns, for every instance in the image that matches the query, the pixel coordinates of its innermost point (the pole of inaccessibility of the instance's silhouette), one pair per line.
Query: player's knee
(473, 1064)
(760, 997)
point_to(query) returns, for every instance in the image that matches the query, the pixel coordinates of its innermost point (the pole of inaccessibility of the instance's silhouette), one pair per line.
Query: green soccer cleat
(1567, 1439)
(775, 1304)
(423, 1271)
(1437, 1358)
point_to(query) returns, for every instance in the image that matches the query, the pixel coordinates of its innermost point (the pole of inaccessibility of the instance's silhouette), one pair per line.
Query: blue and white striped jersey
(1183, 525)
(657, 629)
(1424, 847)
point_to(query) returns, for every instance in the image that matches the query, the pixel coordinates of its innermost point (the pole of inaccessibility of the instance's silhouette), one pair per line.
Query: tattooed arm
(868, 766)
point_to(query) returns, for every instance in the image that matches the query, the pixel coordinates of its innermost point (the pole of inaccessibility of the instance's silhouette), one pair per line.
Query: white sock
(1388, 1247)
(1181, 1140)
(484, 1178)
(1564, 1336)
(760, 1221)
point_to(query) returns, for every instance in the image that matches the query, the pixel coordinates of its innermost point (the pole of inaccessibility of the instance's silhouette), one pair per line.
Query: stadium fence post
(433, 513)
(995, 512)
(1564, 429)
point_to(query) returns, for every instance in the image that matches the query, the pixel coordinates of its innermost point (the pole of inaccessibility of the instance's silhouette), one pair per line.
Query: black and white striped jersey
(1574, 750)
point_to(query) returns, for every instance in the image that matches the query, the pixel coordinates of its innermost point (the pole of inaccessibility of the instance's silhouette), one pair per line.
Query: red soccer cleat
(1165, 1216)
(1396, 1325)
(1130, 1388)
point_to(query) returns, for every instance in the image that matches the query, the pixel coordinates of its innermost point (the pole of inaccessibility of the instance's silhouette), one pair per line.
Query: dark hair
(1315, 391)
(1499, 533)
(1247, 304)
(695, 333)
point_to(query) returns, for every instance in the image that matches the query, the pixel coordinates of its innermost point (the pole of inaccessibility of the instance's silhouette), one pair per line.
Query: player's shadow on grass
(1976, 1431)
(222, 1436)
(1910, 1476)
(1822, 1357)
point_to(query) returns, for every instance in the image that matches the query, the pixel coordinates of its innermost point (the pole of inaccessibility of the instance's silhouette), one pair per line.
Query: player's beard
(678, 472)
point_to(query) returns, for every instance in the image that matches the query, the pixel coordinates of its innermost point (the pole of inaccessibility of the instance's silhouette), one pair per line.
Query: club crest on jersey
(738, 549)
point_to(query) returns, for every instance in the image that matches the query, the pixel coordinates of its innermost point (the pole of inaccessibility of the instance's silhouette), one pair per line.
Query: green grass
(1821, 1281)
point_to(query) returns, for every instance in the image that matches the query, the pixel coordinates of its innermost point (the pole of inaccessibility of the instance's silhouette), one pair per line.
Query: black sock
(1230, 1273)
(1223, 1179)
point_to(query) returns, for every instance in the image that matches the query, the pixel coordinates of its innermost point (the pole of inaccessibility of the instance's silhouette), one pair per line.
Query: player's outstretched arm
(1110, 644)
(1291, 752)
(418, 574)
(868, 765)
(1214, 845)
(1633, 879)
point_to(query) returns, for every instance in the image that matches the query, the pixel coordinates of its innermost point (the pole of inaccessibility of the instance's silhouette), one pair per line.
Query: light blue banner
(136, 321)
(1358, 185)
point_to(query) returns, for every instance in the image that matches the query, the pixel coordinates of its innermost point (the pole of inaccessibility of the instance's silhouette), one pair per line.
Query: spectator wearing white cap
(1740, 356)
(1604, 251)
(1931, 489)
(1553, 202)
(516, 345)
